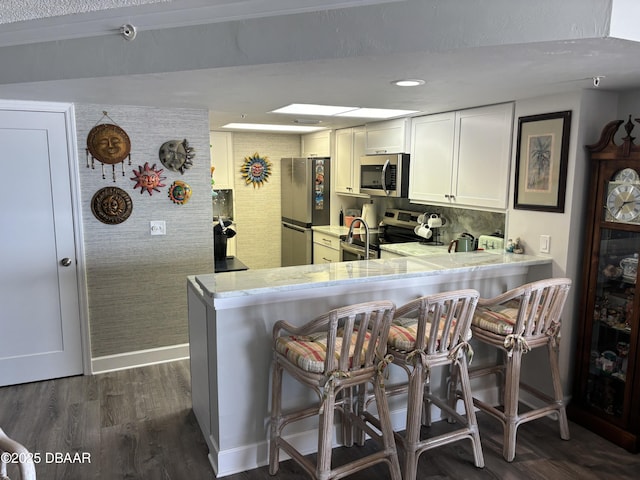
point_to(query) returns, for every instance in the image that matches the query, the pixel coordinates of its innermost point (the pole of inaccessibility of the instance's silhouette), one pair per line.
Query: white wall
(135, 281)
(591, 111)
(257, 210)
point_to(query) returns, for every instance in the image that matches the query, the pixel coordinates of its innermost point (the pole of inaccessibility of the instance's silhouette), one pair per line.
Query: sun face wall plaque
(148, 178)
(111, 205)
(176, 155)
(110, 144)
(179, 192)
(256, 170)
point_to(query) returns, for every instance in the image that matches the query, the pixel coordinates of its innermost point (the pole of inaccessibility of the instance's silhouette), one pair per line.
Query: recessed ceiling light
(272, 127)
(376, 113)
(311, 109)
(408, 82)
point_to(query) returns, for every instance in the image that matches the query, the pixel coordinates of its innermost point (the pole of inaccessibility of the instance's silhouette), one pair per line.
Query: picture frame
(542, 154)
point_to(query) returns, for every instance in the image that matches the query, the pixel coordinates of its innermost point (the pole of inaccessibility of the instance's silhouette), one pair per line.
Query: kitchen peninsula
(231, 316)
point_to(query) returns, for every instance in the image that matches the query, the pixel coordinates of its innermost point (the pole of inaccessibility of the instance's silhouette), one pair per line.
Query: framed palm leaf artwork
(542, 155)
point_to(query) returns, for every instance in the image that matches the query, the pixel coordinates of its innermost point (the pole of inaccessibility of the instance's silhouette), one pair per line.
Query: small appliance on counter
(369, 215)
(495, 241)
(221, 232)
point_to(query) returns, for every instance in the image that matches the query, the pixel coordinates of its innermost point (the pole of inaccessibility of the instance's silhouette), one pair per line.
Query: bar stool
(516, 322)
(356, 339)
(26, 467)
(433, 331)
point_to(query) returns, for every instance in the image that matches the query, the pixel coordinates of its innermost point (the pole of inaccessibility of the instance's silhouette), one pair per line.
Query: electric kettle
(464, 243)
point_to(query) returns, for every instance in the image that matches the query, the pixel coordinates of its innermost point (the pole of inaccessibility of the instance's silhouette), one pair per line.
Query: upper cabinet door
(483, 152)
(390, 136)
(432, 159)
(349, 149)
(317, 144)
(222, 159)
(462, 158)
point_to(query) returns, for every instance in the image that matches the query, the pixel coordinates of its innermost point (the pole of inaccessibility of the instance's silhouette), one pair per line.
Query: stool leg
(325, 433)
(387, 429)
(511, 398)
(415, 403)
(472, 424)
(557, 390)
(276, 417)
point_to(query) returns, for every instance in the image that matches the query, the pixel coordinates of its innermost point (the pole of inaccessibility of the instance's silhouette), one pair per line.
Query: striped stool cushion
(498, 319)
(404, 331)
(308, 352)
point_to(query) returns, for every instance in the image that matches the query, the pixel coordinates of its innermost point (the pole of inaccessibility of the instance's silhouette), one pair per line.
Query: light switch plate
(158, 227)
(545, 243)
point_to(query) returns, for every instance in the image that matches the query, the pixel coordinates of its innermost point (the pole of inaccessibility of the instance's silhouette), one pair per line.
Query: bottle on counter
(341, 220)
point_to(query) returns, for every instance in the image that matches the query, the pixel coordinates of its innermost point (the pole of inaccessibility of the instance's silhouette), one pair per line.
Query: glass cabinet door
(612, 325)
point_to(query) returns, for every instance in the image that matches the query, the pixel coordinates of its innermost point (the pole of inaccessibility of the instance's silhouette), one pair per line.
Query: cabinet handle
(446, 196)
(452, 197)
(381, 151)
(327, 259)
(327, 241)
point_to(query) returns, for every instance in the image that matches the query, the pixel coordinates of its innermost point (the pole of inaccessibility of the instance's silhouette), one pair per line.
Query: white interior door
(39, 301)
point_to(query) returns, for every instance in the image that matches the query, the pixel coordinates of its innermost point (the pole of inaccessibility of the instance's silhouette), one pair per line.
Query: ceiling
(242, 59)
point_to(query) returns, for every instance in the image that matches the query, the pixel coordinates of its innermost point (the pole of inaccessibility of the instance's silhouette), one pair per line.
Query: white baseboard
(139, 358)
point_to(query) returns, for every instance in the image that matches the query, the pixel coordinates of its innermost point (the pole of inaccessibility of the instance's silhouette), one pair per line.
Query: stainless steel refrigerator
(305, 203)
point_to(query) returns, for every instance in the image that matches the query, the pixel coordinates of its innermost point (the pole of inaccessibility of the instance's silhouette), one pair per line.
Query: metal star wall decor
(256, 170)
(148, 178)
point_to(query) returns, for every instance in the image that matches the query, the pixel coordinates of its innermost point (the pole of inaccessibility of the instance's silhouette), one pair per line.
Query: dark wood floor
(138, 424)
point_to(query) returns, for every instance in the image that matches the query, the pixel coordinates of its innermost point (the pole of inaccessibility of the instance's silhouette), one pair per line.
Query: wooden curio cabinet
(606, 396)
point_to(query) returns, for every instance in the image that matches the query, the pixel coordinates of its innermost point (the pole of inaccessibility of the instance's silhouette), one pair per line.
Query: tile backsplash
(457, 220)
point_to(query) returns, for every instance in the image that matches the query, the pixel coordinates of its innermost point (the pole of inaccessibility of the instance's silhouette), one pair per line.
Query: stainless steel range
(397, 226)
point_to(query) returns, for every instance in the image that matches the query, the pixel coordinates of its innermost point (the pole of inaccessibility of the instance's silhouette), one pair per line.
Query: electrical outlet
(158, 227)
(545, 243)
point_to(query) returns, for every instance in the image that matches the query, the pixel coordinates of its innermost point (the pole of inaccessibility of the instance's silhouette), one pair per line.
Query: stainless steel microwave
(385, 175)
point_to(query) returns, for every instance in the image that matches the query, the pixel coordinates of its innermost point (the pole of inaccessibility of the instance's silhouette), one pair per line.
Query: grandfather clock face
(622, 202)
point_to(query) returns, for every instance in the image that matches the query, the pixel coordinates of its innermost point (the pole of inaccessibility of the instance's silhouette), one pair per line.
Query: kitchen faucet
(366, 235)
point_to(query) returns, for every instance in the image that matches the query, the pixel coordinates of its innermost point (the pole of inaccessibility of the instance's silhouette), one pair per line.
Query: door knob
(65, 262)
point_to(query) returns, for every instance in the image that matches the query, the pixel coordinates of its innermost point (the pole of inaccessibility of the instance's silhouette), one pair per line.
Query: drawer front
(322, 254)
(325, 240)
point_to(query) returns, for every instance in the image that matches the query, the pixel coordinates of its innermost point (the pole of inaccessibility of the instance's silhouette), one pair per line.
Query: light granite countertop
(261, 281)
(414, 248)
(337, 231)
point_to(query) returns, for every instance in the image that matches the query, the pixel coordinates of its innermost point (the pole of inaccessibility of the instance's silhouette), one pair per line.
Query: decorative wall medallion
(110, 144)
(256, 170)
(179, 192)
(176, 155)
(111, 205)
(148, 178)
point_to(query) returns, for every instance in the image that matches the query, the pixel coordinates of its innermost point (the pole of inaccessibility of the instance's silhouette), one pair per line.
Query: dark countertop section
(229, 264)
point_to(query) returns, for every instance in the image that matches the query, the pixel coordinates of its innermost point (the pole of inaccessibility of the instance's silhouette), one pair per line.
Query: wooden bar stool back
(516, 322)
(356, 339)
(429, 332)
(25, 460)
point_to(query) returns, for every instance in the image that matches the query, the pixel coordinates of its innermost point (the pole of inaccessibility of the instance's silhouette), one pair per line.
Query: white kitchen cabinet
(326, 248)
(462, 158)
(431, 167)
(389, 136)
(316, 144)
(222, 159)
(346, 162)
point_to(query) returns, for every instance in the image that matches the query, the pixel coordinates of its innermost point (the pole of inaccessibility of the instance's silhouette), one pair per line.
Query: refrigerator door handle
(293, 227)
(384, 177)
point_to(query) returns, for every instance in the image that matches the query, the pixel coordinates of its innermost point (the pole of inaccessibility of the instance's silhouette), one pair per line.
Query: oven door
(350, 252)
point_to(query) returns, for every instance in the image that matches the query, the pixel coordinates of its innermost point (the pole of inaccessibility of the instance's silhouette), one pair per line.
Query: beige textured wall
(257, 210)
(137, 282)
